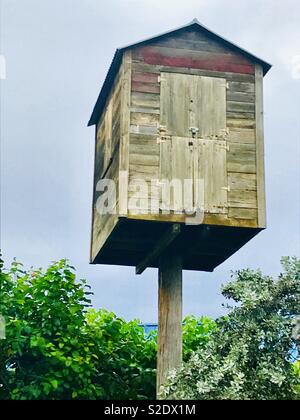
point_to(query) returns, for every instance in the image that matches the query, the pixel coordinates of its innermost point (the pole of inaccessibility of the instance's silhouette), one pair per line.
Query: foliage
(249, 354)
(58, 348)
(196, 333)
(55, 350)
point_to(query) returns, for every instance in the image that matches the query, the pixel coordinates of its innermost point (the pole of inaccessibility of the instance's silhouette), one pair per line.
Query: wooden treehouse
(155, 94)
(183, 105)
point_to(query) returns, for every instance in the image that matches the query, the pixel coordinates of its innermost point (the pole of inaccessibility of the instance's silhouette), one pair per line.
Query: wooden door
(192, 142)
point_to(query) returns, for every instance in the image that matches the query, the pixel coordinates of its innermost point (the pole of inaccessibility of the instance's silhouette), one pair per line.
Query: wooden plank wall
(106, 162)
(193, 53)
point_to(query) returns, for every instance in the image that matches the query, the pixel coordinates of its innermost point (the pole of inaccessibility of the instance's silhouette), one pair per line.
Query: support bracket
(159, 248)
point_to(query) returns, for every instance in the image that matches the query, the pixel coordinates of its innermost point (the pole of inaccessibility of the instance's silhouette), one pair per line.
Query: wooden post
(169, 354)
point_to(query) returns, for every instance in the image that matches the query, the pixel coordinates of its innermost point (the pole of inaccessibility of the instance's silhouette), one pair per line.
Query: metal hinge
(161, 128)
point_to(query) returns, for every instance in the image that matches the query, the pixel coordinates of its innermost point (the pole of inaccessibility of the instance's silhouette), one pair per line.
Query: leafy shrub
(56, 347)
(196, 333)
(249, 354)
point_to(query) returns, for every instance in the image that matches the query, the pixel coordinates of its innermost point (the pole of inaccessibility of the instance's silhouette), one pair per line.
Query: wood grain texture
(128, 131)
(242, 198)
(193, 59)
(209, 219)
(261, 196)
(196, 43)
(145, 87)
(169, 353)
(241, 158)
(237, 81)
(125, 111)
(106, 164)
(193, 101)
(242, 213)
(240, 181)
(142, 118)
(143, 129)
(212, 168)
(241, 135)
(235, 123)
(103, 224)
(145, 100)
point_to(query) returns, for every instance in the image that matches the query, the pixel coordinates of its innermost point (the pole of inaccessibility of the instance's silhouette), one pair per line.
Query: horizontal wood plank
(193, 59)
(241, 213)
(242, 198)
(145, 87)
(194, 44)
(138, 170)
(240, 124)
(150, 148)
(139, 118)
(241, 107)
(240, 115)
(240, 181)
(143, 159)
(143, 129)
(241, 158)
(145, 77)
(238, 78)
(242, 86)
(236, 96)
(145, 100)
(237, 135)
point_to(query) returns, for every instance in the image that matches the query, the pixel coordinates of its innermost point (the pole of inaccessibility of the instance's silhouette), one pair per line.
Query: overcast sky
(57, 54)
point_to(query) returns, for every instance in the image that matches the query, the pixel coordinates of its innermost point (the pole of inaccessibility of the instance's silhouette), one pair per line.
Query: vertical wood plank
(93, 197)
(193, 101)
(125, 123)
(208, 99)
(108, 132)
(169, 354)
(212, 168)
(174, 103)
(220, 179)
(260, 165)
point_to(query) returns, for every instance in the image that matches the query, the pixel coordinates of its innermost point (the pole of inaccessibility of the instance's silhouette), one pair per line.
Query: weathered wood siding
(107, 162)
(195, 54)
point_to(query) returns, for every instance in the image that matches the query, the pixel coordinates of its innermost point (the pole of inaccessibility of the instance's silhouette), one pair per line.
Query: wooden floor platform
(202, 247)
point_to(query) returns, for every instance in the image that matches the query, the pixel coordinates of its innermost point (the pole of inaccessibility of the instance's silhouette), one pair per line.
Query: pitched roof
(117, 60)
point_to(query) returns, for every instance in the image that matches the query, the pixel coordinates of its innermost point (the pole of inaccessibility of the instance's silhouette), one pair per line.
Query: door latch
(194, 131)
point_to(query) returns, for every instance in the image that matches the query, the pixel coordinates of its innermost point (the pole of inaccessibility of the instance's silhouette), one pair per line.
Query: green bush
(249, 354)
(56, 347)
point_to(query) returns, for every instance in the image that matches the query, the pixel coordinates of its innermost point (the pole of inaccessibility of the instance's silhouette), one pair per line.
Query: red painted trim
(214, 62)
